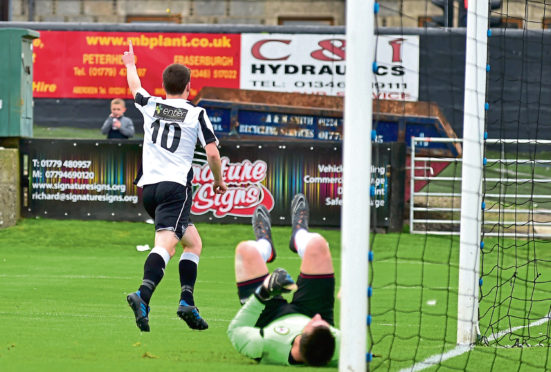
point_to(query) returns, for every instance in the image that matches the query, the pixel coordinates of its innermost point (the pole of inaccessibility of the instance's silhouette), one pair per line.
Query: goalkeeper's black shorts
(315, 295)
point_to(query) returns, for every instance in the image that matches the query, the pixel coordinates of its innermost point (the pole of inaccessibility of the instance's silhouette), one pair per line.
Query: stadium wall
(9, 187)
(187, 11)
(261, 12)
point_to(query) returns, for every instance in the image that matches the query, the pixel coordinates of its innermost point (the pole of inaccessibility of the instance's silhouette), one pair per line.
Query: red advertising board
(86, 64)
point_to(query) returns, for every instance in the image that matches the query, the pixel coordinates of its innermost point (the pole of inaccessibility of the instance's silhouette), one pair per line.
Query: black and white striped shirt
(171, 130)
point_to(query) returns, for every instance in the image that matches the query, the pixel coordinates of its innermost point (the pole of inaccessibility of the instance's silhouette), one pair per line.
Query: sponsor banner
(315, 63)
(274, 124)
(302, 63)
(246, 189)
(243, 120)
(94, 180)
(396, 74)
(271, 174)
(283, 125)
(81, 179)
(88, 64)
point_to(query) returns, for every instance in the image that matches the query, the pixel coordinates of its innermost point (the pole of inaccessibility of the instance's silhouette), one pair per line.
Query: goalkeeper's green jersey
(274, 344)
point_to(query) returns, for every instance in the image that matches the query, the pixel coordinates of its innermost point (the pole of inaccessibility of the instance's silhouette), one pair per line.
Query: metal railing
(505, 213)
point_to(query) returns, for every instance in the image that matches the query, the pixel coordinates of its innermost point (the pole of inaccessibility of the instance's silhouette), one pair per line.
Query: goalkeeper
(267, 327)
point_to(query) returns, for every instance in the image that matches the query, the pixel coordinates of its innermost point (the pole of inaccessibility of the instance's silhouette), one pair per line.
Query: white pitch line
(437, 359)
(541, 321)
(87, 277)
(411, 262)
(461, 349)
(65, 276)
(98, 316)
(392, 287)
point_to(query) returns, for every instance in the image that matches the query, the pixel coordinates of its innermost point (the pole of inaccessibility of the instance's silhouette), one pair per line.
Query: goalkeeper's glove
(278, 282)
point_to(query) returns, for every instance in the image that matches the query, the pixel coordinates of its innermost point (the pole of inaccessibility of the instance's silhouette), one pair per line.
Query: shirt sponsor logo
(169, 113)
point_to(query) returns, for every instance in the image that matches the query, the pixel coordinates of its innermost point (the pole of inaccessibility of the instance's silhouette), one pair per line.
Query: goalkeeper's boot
(262, 227)
(141, 310)
(300, 213)
(190, 314)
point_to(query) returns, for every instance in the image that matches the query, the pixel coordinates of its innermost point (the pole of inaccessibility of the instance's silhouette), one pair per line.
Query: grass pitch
(63, 299)
(64, 285)
(72, 133)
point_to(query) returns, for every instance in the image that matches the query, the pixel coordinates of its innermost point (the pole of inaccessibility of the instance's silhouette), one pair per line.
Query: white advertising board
(315, 64)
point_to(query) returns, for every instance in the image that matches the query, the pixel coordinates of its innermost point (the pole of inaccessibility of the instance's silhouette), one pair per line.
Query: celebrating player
(267, 327)
(172, 127)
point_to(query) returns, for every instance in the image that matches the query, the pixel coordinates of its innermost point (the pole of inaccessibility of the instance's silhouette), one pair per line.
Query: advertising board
(88, 64)
(89, 179)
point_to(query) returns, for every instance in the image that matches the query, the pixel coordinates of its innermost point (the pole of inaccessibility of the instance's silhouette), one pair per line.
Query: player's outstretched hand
(128, 57)
(278, 282)
(219, 187)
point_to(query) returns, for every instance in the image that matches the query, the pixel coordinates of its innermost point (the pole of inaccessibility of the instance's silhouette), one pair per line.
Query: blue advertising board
(275, 124)
(251, 121)
(220, 119)
(390, 131)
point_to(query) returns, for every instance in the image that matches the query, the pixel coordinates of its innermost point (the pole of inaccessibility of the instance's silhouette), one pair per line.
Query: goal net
(468, 287)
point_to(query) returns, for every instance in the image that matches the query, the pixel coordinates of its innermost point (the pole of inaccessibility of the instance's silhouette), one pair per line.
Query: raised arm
(131, 73)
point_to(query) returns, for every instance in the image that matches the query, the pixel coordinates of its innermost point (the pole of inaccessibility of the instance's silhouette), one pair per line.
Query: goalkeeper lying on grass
(270, 329)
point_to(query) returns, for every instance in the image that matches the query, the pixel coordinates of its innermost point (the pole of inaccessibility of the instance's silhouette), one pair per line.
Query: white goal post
(355, 222)
(474, 116)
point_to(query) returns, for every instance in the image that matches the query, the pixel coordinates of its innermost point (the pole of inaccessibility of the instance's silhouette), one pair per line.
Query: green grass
(64, 283)
(414, 305)
(63, 299)
(72, 133)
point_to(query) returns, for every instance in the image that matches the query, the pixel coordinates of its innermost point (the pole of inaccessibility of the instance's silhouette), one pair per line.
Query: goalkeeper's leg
(316, 259)
(250, 269)
(251, 255)
(311, 247)
(316, 282)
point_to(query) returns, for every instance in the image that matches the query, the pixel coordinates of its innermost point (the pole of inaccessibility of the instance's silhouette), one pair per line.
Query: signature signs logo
(244, 192)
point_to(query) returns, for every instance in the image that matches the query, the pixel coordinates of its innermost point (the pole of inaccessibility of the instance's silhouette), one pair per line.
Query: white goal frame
(474, 116)
(360, 53)
(356, 175)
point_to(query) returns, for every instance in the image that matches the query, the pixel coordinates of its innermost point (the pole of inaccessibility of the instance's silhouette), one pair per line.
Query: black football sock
(246, 289)
(188, 276)
(154, 270)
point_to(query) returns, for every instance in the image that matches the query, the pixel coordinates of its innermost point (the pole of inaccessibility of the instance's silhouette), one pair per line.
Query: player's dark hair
(317, 347)
(175, 78)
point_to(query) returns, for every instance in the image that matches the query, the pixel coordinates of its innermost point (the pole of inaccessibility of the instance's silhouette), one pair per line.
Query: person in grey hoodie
(117, 125)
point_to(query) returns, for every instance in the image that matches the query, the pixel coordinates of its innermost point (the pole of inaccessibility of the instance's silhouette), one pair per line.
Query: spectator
(117, 125)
